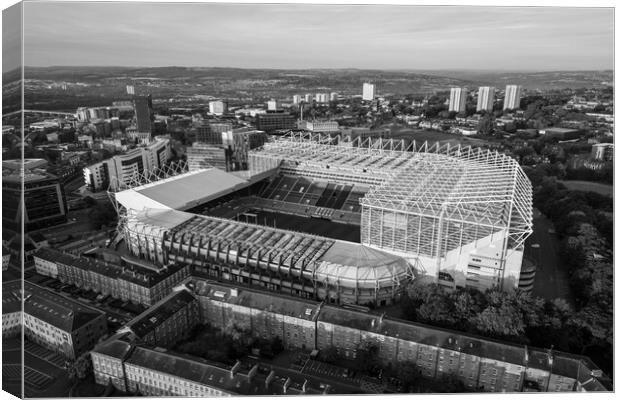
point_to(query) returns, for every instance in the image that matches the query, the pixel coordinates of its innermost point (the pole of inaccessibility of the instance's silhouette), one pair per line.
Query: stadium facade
(454, 215)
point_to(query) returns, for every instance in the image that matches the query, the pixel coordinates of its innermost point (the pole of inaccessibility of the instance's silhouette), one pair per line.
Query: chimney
(286, 385)
(252, 372)
(234, 369)
(269, 379)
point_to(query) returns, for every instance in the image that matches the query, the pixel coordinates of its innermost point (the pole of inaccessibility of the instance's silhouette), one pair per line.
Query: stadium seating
(300, 190)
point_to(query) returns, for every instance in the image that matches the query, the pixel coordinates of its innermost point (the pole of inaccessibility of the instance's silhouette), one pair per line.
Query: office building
(458, 100)
(512, 98)
(121, 169)
(218, 107)
(211, 133)
(296, 99)
(143, 108)
(308, 98)
(320, 126)
(333, 96)
(244, 140)
(486, 97)
(44, 202)
(203, 155)
(271, 122)
(131, 90)
(368, 91)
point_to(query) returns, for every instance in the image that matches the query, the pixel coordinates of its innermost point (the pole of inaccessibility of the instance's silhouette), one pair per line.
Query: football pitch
(314, 226)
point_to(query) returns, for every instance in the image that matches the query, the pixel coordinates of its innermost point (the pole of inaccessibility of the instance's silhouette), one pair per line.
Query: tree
(485, 125)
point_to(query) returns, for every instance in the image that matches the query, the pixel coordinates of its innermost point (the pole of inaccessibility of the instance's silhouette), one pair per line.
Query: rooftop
(57, 310)
(159, 312)
(197, 187)
(283, 305)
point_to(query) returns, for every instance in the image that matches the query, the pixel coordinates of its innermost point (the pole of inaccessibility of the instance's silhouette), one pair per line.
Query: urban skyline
(368, 36)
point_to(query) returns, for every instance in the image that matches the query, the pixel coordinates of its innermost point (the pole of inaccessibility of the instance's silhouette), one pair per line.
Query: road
(551, 280)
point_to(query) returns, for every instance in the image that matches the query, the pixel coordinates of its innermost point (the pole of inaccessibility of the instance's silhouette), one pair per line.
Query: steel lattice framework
(429, 198)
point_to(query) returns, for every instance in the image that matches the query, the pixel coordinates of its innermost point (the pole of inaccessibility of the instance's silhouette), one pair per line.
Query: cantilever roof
(455, 183)
(182, 192)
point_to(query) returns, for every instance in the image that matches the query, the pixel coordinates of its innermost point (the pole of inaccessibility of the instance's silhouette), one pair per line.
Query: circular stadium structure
(454, 214)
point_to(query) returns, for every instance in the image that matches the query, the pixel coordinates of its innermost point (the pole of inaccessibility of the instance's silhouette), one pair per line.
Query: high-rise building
(143, 108)
(274, 105)
(131, 90)
(368, 91)
(218, 107)
(486, 96)
(211, 133)
(512, 99)
(321, 97)
(308, 98)
(121, 169)
(458, 99)
(333, 96)
(296, 99)
(202, 155)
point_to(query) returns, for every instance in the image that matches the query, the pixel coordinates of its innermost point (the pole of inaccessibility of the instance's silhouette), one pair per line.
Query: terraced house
(137, 283)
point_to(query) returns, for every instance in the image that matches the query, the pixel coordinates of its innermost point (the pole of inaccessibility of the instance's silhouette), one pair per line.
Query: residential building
(333, 96)
(296, 99)
(368, 92)
(143, 108)
(202, 155)
(128, 282)
(321, 98)
(274, 105)
(486, 97)
(512, 97)
(211, 133)
(458, 99)
(120, 169)
(218, 107)
(166, 322)
(51, 320)
(308, 98)
(603, 151)
(266, 315)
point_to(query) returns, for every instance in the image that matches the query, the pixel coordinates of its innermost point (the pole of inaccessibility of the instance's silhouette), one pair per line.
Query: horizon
(311, 36)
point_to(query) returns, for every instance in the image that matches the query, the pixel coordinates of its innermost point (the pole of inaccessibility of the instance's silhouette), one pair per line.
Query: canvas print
(215, 199)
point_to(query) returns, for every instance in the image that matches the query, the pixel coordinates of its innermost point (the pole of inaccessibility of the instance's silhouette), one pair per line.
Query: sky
(318, 36)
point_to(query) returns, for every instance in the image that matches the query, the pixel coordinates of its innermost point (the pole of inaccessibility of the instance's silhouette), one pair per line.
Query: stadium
(348, 222)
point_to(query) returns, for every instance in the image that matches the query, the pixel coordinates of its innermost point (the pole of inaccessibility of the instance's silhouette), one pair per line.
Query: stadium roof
(454, 183)
(182, 192)
(359, 264)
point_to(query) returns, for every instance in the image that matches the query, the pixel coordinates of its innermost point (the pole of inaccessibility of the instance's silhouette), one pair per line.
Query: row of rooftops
(160, 312)
(43, 304)
(141, 276)
(559, 363)
(242, 378)
(570, 365)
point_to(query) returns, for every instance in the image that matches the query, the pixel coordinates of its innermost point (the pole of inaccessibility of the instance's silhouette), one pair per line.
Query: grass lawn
(586, 186)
